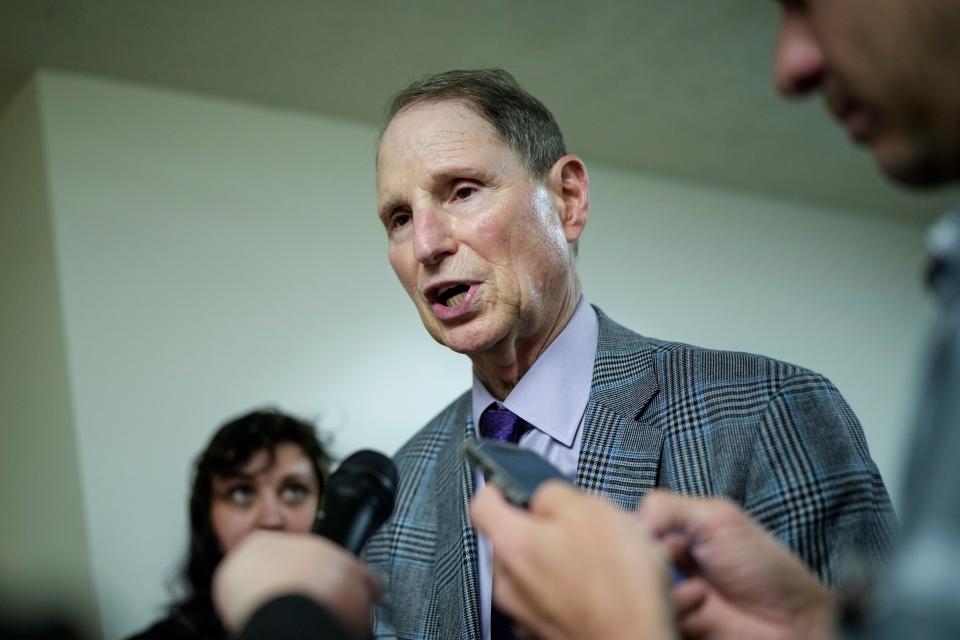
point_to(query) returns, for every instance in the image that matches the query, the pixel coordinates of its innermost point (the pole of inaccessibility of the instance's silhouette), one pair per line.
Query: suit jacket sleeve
(812, 481)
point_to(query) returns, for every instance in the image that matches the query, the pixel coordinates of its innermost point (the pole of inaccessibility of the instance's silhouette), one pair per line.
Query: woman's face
(279, 494)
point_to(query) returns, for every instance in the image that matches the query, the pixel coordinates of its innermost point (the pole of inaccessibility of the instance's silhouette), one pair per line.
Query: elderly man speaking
(483, 208)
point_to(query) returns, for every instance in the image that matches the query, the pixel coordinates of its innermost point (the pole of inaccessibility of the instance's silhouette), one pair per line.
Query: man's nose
(432, 235)
(799, 61)
(269, 513)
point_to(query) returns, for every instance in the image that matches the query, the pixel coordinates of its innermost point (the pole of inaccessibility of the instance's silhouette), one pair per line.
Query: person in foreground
(483, 210)
(890, 72)
(262, 471)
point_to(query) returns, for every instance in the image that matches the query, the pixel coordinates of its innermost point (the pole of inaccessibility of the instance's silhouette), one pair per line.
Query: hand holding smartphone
(515, 471)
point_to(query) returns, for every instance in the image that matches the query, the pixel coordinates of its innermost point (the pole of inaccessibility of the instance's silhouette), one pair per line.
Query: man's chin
(465, 339)
(470, 347)
(909, 165)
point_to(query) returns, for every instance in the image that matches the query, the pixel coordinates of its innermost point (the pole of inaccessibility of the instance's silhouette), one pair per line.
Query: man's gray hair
(521, 120)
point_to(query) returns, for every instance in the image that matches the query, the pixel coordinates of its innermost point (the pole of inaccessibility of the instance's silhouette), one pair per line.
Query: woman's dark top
(180, 625)
(290, 617)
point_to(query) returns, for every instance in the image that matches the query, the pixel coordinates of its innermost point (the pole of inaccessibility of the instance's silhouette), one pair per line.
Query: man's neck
(500, 368)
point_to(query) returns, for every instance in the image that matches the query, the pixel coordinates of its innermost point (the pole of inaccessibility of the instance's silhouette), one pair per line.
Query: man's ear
(570, 188)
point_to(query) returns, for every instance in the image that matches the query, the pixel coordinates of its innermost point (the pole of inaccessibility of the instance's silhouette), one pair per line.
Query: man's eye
(399, 220)
(464, 192)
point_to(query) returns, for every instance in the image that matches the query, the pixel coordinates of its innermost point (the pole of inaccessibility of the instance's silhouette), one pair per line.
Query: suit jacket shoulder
(774, 437)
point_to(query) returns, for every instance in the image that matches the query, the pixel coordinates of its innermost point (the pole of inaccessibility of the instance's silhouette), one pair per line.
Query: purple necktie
(502, 425)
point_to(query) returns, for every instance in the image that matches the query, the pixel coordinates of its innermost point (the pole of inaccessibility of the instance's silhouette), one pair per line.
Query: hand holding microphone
(271, 564)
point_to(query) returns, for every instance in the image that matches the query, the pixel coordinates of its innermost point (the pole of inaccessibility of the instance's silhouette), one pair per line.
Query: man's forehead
(437, 151)
(435, 124)
(438, 138)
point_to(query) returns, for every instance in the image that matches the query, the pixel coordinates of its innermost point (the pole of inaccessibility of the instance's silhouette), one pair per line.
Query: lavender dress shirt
(552, 397)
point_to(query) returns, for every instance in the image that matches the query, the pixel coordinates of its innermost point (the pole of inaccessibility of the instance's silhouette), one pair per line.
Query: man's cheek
(407, 281)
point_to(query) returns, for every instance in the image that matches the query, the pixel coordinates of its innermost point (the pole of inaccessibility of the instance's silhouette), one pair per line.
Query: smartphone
(515, 471)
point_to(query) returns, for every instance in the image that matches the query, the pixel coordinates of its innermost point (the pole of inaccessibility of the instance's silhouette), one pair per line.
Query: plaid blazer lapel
(620, 456)
(456, 602)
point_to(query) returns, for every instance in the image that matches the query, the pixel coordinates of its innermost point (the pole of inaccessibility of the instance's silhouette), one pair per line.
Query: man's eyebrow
(388, 206)
(449, 173)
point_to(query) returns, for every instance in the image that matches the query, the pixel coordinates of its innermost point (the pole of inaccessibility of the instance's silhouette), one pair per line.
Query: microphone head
(365, 473)
(358, 499)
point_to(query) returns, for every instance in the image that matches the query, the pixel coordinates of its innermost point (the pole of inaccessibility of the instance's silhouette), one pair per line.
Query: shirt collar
(553, 394)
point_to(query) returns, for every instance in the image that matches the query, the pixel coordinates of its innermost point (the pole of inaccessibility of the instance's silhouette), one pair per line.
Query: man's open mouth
(453, 295)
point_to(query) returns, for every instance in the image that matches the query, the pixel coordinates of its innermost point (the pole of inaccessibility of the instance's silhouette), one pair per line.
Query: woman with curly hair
(264, 470)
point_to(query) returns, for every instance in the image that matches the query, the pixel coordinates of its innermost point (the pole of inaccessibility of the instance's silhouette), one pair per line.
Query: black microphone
(359, 498)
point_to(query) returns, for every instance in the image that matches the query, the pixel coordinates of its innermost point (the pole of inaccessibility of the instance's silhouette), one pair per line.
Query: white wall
(215, 256)
(45, 566)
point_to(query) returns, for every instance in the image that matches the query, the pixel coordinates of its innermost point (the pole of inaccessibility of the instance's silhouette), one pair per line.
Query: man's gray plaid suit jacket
(777, 439)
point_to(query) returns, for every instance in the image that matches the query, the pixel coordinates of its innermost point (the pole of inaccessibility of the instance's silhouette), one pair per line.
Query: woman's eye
(240, 495)
(293, 493)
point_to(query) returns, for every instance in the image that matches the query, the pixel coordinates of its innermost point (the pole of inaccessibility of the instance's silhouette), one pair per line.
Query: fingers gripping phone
(515, 471)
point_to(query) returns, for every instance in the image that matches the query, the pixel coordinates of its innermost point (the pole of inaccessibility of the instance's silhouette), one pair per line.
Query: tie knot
(501, 424)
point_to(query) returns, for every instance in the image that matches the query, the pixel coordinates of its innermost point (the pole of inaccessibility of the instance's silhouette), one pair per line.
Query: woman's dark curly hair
(231, 447)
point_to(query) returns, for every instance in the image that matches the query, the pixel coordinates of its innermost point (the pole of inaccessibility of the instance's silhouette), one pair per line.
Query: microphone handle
(356, 535)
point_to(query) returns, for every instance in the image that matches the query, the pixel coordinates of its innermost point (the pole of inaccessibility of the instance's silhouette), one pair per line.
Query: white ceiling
(675, 87)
